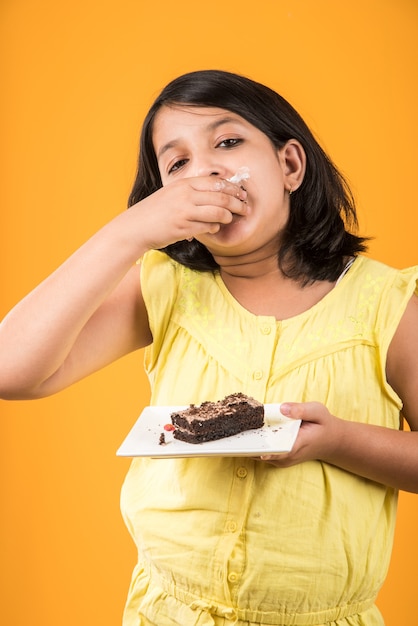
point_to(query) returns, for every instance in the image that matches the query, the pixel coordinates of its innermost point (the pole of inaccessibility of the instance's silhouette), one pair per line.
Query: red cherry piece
(169, 427)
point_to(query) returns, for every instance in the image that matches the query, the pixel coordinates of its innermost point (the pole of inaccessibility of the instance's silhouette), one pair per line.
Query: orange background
(77, 79)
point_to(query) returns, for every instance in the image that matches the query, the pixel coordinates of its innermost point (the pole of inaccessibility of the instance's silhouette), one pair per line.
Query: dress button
(265, 329)
(242, 472)
(231, 526)
(232, 577)
(257, 374)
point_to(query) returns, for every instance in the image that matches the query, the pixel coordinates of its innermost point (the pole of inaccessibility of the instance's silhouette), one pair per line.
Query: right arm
(86, 314)
(90, 311)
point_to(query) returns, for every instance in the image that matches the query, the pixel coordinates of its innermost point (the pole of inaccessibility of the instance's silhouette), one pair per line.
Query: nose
(208, 171)
(207, 167)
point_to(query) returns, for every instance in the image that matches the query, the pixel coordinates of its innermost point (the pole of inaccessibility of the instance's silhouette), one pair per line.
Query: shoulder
(386, 288)
(158, 272)
(157, 260)
(367, 266)
(169, 288)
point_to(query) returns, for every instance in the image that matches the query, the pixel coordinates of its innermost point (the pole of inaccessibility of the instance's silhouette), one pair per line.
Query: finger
(219, 185)
(235, 190)
(223, 201)
(305, 411)
(210, 214)
(276, 461)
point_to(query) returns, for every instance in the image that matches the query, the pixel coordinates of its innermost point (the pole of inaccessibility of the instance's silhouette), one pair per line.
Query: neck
(257, 266)
(261, 287)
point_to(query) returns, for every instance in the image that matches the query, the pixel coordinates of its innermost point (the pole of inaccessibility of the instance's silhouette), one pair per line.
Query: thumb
(292, 409)
(307, 411)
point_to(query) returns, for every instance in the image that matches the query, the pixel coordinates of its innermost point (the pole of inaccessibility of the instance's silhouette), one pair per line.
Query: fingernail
(285, 408)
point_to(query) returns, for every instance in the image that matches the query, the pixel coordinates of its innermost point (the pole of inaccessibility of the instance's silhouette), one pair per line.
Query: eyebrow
(210, 127)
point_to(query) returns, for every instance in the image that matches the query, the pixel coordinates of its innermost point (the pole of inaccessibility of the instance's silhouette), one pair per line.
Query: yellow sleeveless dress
(237, 541)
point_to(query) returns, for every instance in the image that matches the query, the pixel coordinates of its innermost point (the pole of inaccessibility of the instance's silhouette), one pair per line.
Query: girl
(256, 286)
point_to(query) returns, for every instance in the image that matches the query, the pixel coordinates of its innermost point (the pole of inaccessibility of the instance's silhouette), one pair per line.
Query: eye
(230, 142)
(177, 165)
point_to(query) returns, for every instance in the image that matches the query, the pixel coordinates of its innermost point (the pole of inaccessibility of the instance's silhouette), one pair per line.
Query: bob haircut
(319, 234)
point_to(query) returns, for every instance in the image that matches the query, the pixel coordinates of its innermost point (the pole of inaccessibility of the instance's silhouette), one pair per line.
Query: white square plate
(277, 435)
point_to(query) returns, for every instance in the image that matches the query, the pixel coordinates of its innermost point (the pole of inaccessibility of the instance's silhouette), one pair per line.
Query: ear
(293, 159)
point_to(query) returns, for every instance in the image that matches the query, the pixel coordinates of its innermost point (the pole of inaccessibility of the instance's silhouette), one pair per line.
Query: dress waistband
(207, 609)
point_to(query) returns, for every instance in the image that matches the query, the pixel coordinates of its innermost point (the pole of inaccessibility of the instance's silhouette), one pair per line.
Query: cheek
(270, 193)
(268, 175)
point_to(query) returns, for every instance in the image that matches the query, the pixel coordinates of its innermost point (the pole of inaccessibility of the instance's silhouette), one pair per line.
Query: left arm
(380, 454)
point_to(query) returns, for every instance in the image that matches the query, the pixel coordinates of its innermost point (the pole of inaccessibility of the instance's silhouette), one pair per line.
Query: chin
(228, 238)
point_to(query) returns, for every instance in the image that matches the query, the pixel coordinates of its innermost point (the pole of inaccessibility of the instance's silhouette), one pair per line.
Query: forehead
(190, 114)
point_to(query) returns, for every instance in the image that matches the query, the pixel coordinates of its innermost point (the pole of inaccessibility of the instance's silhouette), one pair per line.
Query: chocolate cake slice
(215, 420)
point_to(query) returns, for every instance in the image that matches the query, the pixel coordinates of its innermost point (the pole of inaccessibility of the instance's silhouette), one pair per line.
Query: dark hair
(319, 232)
